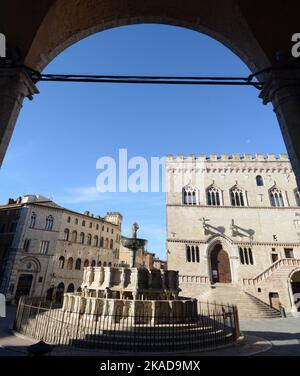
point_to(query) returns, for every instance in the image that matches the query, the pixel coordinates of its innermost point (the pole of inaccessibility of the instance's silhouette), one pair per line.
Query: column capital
(281, 83)
(16, 77)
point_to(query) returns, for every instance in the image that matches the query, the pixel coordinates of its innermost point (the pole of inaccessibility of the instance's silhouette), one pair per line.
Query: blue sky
(60, 134)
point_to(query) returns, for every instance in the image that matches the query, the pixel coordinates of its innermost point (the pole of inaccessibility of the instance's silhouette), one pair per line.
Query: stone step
(248, 305)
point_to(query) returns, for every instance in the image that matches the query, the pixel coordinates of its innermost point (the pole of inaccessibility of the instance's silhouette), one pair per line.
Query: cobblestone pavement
(262, 337)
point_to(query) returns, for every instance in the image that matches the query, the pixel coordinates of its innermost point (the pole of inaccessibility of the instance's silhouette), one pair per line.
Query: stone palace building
(44, 247)
(233, 230)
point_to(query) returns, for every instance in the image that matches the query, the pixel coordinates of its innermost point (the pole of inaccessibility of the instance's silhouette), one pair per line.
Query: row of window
(43, 249)
(96, 241)
(238, 196)
(78, 263)
(50, 222)
(83, 223)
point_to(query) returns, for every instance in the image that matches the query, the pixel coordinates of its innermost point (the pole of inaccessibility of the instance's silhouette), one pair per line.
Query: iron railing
(212, 327)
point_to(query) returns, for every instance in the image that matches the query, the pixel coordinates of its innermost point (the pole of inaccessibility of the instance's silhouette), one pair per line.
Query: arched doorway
(295, 285)
(24, 285)
(220, 265)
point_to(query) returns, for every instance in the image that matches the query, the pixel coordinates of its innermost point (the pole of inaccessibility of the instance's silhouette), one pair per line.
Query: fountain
(129, 308)
(133, 244)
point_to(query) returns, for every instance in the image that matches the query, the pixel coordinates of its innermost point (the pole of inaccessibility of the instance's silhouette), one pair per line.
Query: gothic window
(259, 181)
(297, 195)
(190, 195)
(44, 245)
(237, 197)
(276, 197)
(246, 256)
(81, 238)
(66, 234)
(61, 262)
(76, 221)
(95, 241)
(69, 219)
(32, 220)
(93, 263)
(111, 244)
(192, 254)
(74, 237)
(99, 263)
(213, 196)
(89, 239)
(49, 222)
(83, 223)
(78, 264)
(106, 243)
(70, 263)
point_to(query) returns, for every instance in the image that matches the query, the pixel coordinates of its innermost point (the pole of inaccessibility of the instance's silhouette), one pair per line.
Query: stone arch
(61, 27)
(294, 288)
(36, 265)
(226, 245)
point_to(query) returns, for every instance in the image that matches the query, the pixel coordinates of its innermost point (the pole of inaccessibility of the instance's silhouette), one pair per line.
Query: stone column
(282, 88)
(15, 85)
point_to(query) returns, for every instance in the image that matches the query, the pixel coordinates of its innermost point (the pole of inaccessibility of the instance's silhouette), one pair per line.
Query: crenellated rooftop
(228, 157)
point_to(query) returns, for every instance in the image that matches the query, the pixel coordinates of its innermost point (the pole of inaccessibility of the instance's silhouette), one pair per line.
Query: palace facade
(44, 247)
(233, 227)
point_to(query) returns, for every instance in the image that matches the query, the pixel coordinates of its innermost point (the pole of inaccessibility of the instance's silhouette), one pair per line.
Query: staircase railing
(271, 269)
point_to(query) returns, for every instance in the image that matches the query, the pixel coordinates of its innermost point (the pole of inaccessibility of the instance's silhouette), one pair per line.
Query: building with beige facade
(44, 247)
(233, 230)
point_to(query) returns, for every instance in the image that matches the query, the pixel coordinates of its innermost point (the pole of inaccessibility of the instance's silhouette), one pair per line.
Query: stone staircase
(249, 307)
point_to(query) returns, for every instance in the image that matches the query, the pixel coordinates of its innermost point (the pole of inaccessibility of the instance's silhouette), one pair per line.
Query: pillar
(282, 88)
(15, 85)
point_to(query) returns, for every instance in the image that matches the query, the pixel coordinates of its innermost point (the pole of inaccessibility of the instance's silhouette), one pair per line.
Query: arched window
(259, 181)
(190, 195)
(71, 288)
(93, 263)
(69, 219)
(111, 244)
(61, 262)
(89, 239)
(197, 254)
(81, 238)
(49, 222)
(74, 237)
(213, 196)
(104, 264)
(70, 263)
(99, 263)
(79, 289)
(188, 253)
(246, 256)
(109, 264)
(297, 195)
(106, 243)
(32, 220)
(76, 221)
(276, 197)
(86, 263)
(237, 197)
(59, 292)
(78, 264)
(95, 241)
(101, 241)
(66, 234)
